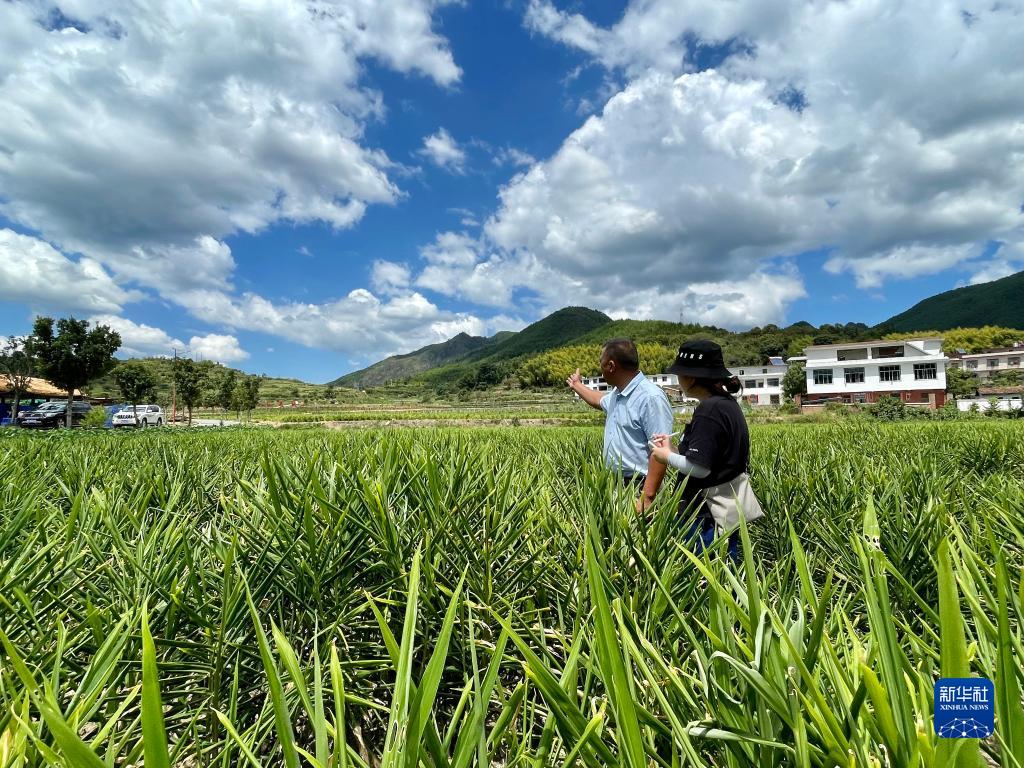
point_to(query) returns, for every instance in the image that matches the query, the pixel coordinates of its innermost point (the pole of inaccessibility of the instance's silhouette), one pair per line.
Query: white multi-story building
(762, 384)
(913, 370)
(990, 362)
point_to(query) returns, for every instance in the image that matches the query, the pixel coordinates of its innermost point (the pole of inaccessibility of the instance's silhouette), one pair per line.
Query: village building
(913, 370)
(762, 384)
(991, 362)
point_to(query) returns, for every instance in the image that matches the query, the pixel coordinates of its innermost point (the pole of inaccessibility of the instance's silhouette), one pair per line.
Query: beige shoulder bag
(727, 501)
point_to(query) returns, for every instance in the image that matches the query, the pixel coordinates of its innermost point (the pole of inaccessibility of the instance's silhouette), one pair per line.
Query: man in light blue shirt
(636, 410)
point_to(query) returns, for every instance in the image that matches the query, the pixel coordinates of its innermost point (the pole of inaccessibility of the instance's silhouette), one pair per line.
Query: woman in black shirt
(715, 447)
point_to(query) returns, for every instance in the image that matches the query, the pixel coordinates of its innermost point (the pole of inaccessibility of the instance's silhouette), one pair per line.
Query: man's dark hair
(623, 352)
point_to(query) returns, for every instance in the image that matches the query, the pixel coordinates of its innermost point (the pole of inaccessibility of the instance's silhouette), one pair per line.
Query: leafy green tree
(795, 381)
(74, 355)
(188, 381)
(250, 393)
(226, 388)
(329, 393)
(137, 384)
(796, 346)
(961, 383)
(17, 366)
(1007, 379)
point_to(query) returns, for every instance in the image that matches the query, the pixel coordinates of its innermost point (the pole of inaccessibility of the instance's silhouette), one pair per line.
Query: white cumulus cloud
(139, 339)
(442, 150)
(888, 135)
(142, 134)
(360, 324)
(220, 347)
(33, 272)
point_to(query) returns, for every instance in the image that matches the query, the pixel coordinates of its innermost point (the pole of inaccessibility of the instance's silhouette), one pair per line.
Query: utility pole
(174, 388)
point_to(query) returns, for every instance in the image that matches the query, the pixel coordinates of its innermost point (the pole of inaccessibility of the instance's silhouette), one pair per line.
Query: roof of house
(1015, 390)
(892, 342)
(37, 387)
(993, 351)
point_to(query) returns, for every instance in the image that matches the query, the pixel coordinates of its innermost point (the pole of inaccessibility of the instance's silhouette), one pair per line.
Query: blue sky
(301, 194)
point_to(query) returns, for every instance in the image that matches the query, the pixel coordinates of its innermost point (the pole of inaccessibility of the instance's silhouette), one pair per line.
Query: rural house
(913, 370)
(762, 384)
(990, 362)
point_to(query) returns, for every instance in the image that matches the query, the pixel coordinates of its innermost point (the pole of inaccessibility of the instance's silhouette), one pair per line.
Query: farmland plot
(452, 598)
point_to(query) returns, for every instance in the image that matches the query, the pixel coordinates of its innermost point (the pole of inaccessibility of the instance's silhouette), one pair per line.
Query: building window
(760, 383)
(749, 384)
(889, 373)
(852, 354)
(889, 351)
(972, 364)
(854, 375)
(1013, 362)
(774, 399)
(764, 370)
(924, 371)
(773, 382)
(925, 398)
(993, 362)
(823, 376)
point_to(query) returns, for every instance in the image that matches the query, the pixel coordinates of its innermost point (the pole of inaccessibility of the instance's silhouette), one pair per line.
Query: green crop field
(473, 597)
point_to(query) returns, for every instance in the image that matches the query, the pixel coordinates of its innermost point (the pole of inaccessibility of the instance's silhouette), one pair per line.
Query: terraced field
(460, 597)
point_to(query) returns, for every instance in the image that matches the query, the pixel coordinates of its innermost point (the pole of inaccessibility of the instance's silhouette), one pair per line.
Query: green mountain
(461, 358)
(555, 330)
(423, 359)
(999, 303)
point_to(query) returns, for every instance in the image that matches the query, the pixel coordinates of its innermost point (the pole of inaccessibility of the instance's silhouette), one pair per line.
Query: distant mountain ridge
(462, 352)
(997, 303)
(423, 359)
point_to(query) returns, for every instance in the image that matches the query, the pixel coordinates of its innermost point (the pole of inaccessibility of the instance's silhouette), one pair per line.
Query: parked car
(54, 414)
(140, 416)
(110, 410)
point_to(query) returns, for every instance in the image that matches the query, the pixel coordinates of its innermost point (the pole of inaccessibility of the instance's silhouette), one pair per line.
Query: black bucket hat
(700, 359)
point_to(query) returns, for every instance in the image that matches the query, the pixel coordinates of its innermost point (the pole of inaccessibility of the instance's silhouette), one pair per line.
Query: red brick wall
(936, 398)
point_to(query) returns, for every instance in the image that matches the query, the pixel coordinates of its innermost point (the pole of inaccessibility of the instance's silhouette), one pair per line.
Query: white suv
(148, 416)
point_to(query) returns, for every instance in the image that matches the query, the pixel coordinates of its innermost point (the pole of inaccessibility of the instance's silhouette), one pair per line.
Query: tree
(796, 346)
(250, 394)
(188, 380)
(226, 388)
(1007, 379)
(961, 383)
(74, 355)
(329, 393)
(17, 366)
(795, 381)
(137, 384)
